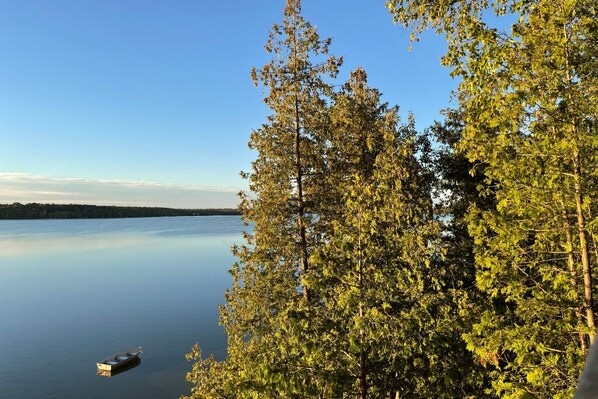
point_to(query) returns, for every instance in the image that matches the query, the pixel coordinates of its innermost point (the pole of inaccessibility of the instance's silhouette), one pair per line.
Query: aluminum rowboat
(120, 359)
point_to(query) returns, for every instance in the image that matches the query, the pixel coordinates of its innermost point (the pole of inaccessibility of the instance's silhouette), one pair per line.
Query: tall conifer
(388, 318)
(266, 315)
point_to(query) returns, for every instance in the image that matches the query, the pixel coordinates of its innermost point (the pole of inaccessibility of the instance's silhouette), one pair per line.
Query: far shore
(17, 211)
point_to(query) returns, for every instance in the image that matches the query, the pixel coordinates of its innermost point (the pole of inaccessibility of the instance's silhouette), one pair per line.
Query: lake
(73, 292)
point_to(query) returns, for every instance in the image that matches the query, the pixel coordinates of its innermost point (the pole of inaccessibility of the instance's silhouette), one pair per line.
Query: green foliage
(383, 266)
(374, 266)
(267, 314)
(528, 96)
(456, 190)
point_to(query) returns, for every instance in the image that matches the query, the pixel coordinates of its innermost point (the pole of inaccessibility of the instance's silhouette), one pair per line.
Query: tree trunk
(573, 277)
(583, 244)
(577, 178)
(299, 178)
(300, 202)
(363, 373)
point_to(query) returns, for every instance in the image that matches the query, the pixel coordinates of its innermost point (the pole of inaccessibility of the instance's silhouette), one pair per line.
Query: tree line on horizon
(82, 211)
(458, 262)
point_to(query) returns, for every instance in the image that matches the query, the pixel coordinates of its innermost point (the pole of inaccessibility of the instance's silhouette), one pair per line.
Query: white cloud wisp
(26, 188)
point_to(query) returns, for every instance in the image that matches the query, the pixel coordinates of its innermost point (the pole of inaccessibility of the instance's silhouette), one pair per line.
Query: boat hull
(113, 373)
(119, 360)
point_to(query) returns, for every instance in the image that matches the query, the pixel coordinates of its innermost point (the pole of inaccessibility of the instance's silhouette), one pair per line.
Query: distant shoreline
(19, 211)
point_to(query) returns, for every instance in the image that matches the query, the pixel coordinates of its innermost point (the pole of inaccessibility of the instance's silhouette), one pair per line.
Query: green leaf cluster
(528, 99)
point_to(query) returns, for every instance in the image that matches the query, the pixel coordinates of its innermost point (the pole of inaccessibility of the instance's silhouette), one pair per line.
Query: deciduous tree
(528, 95)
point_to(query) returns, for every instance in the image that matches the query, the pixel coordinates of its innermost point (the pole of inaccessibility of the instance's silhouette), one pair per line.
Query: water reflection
(30, 237)
(28, 246)
(158, 282)
(112, 373)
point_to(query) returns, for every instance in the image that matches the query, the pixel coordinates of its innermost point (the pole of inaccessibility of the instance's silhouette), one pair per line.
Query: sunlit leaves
(526, 95)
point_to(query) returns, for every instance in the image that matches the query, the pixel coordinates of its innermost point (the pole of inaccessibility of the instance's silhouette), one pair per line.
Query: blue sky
(150, 102)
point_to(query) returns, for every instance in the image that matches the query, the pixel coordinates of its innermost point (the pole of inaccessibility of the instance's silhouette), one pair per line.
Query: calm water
(73, 292)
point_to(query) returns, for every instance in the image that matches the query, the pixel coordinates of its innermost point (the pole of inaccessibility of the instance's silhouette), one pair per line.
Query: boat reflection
(112, 373)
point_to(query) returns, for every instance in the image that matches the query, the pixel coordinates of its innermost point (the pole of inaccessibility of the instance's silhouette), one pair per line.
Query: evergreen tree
(456, 190)
(356, 334)
(390, 310)
(267, 315)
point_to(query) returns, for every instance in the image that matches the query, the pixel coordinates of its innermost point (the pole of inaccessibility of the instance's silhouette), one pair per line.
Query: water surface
(73, 292)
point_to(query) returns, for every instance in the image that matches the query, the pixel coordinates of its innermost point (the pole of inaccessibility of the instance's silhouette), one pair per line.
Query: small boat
(120, 359)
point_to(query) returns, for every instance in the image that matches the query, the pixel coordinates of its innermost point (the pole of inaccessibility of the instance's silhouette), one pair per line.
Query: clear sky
(150, 102)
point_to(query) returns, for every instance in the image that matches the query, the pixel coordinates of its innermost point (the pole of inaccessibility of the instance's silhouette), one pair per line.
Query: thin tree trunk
(581, 222)
(583, 244)
(573, 277)
(363, 382)
(595, 246)
(363, 371)
(299, 178)
(300, 202)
